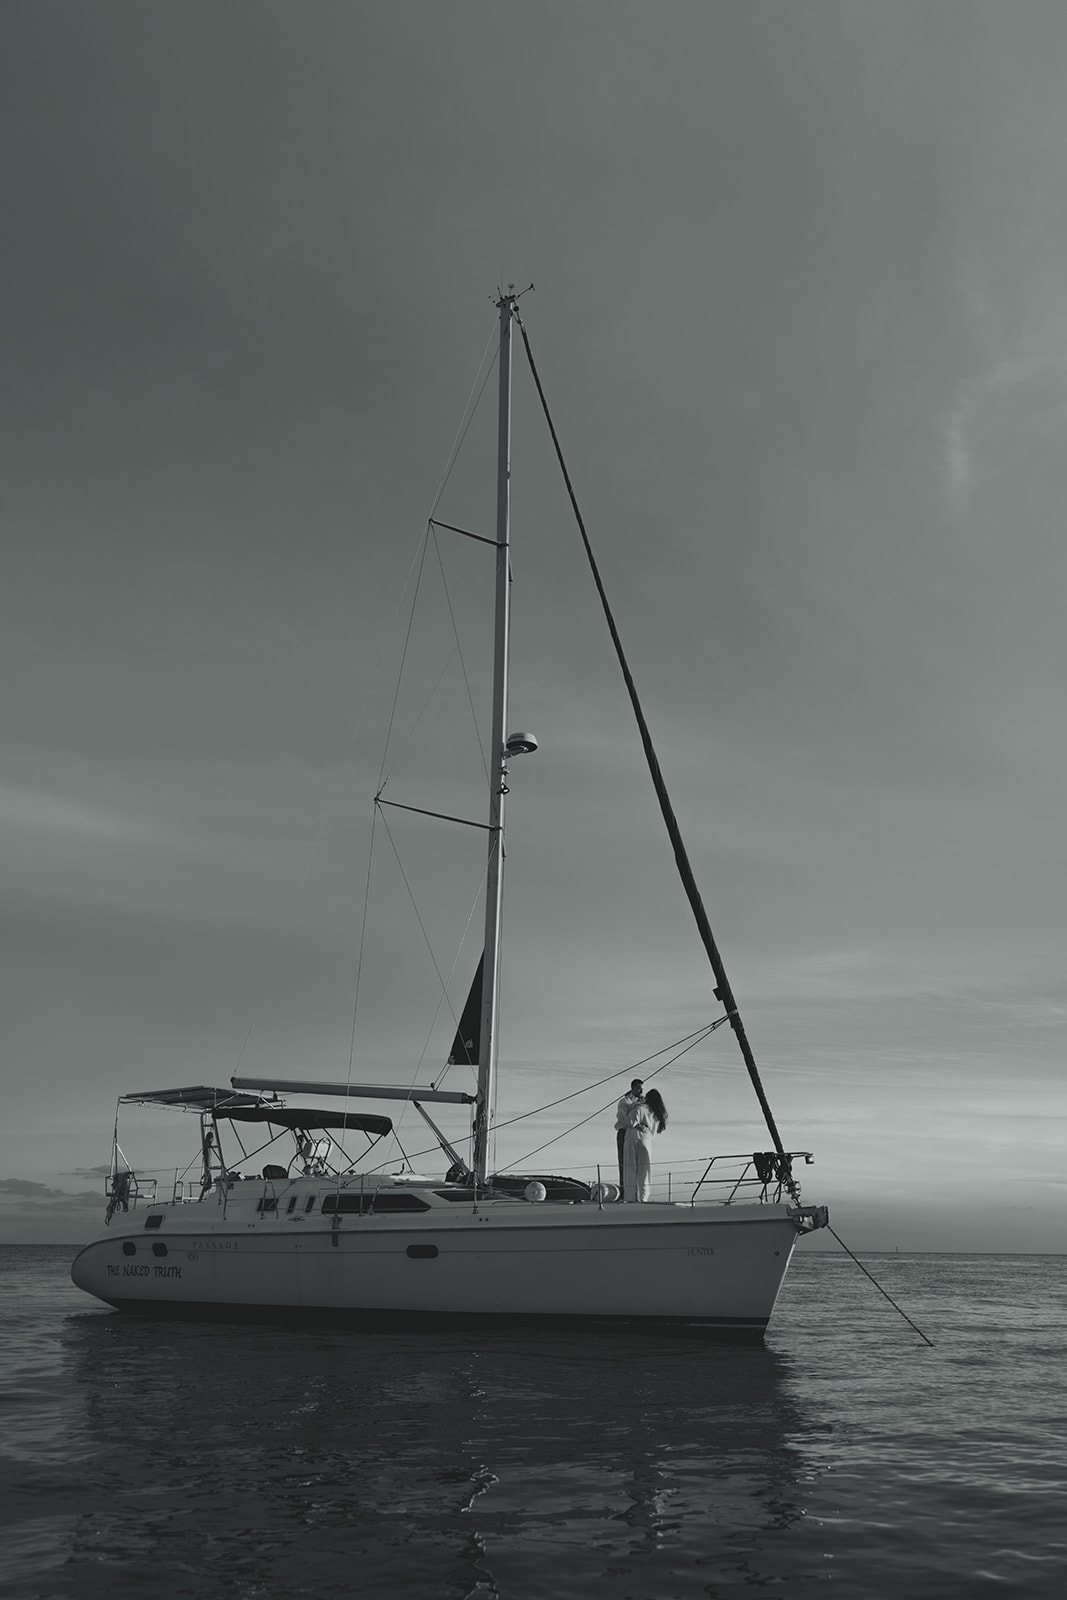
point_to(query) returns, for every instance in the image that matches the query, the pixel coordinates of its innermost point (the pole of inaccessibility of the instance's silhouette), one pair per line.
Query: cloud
(53, 814)
(1014, 400)
(27, 1196)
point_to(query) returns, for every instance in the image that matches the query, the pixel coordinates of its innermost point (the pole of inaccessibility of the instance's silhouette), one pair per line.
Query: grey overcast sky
(801, 310)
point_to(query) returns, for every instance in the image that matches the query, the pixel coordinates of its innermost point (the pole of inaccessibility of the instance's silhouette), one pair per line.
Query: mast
(487, 1036)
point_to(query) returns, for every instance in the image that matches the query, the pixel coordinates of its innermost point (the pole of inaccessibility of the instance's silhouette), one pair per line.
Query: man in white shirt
(622, 1118)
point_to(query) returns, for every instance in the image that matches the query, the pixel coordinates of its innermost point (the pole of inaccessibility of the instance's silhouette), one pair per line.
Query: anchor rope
(878, 1286)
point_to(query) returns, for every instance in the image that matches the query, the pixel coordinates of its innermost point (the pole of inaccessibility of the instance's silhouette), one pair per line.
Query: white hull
(721, 1266)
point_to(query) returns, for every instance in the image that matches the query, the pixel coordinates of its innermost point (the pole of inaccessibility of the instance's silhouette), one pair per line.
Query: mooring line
(878, 1286)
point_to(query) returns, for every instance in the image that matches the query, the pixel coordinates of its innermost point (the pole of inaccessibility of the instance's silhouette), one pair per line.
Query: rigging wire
(421, 563)
(436, 1083)
(321, 830)
(418, 918)
(481, 378)
(375, 813)
(459, 649)
(443, 997)
(600, 1111)
(418, 560)
(689, 1040)
(416, 572)
(473, 402)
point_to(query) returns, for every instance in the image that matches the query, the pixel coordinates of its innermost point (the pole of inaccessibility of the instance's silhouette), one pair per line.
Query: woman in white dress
(648, 1117)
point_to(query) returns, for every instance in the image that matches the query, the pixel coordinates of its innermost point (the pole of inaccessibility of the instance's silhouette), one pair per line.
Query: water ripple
(231, 1462)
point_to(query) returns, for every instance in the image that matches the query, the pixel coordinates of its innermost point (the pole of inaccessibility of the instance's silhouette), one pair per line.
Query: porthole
(422, 1252)
(129, 1249)
(159, 1249)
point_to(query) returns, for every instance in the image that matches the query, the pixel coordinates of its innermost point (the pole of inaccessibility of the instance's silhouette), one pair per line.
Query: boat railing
(742, 1177)
(127, 1189)
(727, 1179)
(764, 1176)
(124, 1189)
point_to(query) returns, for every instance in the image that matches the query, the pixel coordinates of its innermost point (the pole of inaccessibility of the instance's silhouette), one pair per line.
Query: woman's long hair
(654, 1102)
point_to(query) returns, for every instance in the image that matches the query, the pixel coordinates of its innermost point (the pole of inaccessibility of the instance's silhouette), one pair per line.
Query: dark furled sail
(723, 991)
(465, 1044)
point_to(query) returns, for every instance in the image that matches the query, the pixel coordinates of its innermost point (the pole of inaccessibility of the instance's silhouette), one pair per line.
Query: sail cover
(307, 1121)
(465, 1044)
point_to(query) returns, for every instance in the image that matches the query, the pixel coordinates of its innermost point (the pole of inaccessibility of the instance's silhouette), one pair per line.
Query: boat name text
(128, 1271)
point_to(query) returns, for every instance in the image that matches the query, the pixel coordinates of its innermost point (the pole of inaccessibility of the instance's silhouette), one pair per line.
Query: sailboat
(315, 1232)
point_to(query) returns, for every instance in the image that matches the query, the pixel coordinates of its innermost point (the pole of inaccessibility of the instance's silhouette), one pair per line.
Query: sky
(800, 308)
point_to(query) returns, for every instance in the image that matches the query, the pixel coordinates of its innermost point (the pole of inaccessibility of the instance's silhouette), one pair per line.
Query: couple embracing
(638, 1118)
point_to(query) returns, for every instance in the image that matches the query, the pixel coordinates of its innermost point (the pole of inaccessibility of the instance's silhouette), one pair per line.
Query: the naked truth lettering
(129, 1271)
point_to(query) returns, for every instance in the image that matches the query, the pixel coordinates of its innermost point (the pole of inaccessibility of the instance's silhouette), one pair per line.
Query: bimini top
(199, 1097)
(255, 1108)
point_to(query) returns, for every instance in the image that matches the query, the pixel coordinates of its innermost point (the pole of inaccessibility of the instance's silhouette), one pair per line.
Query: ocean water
(840, 1457)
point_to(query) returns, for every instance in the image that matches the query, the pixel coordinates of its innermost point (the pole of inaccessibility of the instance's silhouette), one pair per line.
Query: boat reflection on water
(425, 1464)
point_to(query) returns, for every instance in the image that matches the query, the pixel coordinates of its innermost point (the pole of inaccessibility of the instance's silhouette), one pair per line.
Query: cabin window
(361, 1204)
(129, 1248)
(456, 1194)
(422, 1252)
(269, 1204)
(158, 1248)
(310, 1203)
(390, 1201)
(291, 1207)
(155, 1221)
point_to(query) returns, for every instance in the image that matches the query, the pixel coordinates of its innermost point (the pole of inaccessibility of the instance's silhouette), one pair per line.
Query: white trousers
(637, 1165)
